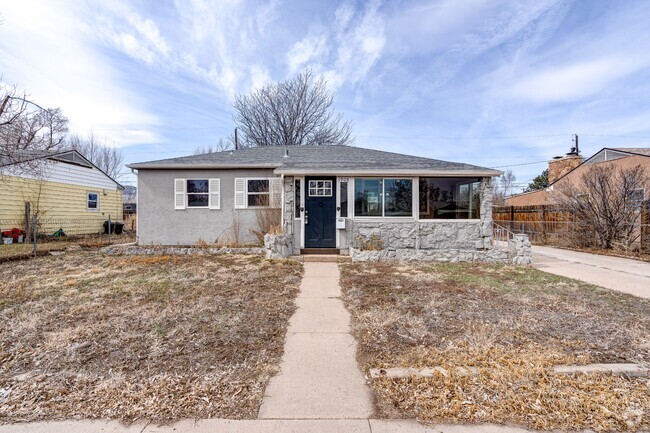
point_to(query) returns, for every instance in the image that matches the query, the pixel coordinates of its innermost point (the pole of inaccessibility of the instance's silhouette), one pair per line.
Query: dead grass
(43, 247)
(84, 335)
(511, 323)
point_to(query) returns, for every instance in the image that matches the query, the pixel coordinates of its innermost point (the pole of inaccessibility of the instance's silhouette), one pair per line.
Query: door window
(320, 188)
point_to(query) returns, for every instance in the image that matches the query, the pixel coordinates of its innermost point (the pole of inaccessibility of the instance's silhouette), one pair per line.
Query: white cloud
(59, 67)
(310, 49)
(567, 83)
(347, 50)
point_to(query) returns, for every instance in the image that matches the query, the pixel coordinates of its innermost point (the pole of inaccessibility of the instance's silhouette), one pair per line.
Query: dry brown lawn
(514, 324)
(83, 335)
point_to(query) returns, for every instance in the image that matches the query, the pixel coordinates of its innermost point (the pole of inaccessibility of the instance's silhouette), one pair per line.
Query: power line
(518, 165)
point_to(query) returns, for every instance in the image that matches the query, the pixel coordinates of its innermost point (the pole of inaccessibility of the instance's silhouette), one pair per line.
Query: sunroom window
(383, 197)
(450, 198)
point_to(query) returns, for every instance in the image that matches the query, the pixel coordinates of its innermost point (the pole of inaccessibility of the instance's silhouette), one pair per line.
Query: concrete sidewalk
(255, 426)
(615, 273)
(319, 377)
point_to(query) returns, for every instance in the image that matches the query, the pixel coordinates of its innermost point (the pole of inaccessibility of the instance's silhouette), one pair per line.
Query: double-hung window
(92, 201)
(197, 193)
(258, 193)
(383, 197)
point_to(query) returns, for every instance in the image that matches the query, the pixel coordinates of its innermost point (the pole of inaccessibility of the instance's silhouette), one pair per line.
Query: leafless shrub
(268, 221)
(293, 112)
(606, 205)
(231, 237)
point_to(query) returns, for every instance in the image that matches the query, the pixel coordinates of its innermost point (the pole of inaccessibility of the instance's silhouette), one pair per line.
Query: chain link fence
(39, 235)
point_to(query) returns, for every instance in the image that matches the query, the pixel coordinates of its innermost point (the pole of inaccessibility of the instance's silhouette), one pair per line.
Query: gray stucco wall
(160, 224)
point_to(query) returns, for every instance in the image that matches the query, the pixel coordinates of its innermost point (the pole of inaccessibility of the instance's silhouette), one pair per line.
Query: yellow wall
(60, 204)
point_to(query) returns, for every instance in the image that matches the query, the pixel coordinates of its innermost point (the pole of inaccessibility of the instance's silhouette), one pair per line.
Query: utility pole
(575, 139)
(236, 140)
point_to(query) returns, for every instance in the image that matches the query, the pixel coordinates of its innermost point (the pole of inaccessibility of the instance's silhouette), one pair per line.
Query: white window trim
(89, 209)
(383, 216)
(269, 179)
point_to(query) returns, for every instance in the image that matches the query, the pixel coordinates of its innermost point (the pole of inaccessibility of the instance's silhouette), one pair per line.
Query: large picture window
(450, 198)
(383, 197)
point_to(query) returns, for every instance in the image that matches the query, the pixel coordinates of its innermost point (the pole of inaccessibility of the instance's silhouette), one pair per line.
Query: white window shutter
(215, 194)
(179, 193)
(240, 193)
(276, 192)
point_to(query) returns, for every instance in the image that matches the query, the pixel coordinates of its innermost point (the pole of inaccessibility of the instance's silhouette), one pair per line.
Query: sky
(494, 83)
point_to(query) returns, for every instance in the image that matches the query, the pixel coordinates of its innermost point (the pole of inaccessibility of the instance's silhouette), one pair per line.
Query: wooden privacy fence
(551, 225)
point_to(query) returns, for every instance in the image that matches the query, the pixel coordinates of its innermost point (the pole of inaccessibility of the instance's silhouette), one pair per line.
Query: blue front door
(320, 212)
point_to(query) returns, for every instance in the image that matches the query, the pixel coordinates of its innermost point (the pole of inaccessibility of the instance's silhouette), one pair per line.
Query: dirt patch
(84, 335)
(513, 324)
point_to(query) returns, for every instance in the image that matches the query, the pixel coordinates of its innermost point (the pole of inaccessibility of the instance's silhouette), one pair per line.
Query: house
(330, 198)
(63, 188)
(570, 168)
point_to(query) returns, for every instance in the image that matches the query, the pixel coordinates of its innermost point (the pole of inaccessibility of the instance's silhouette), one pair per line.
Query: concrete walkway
(616, 273)
(319, 377)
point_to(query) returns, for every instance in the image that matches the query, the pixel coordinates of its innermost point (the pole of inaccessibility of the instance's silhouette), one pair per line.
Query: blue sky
(493, 83)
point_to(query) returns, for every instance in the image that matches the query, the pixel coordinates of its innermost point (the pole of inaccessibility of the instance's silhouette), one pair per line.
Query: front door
(320, 212)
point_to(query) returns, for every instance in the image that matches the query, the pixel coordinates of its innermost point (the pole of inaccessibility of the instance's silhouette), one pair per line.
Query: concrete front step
(323, 258)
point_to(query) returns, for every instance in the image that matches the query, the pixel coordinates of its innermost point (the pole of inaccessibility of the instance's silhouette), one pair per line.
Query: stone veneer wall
(288, 213)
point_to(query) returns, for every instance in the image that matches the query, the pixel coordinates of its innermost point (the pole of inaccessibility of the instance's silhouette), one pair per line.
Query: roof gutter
(391, 172)
(163, 166)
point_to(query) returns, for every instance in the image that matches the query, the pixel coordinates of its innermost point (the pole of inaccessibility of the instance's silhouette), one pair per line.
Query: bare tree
(504, 186)
(289, 113)
(26, 126)
(606, 204)
(104, 153)
(221, 146)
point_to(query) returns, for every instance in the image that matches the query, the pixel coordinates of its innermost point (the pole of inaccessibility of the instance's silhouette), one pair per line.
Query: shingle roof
(317, 159)
(640, 150)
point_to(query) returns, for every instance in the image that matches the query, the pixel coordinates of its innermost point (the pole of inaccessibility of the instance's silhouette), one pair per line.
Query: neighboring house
(63, 188)
(327, 197)
(571, 167)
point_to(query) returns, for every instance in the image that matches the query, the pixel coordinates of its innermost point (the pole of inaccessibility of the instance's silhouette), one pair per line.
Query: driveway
(625, 275)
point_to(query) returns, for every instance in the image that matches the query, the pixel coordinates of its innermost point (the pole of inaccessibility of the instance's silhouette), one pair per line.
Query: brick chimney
(561, 165)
